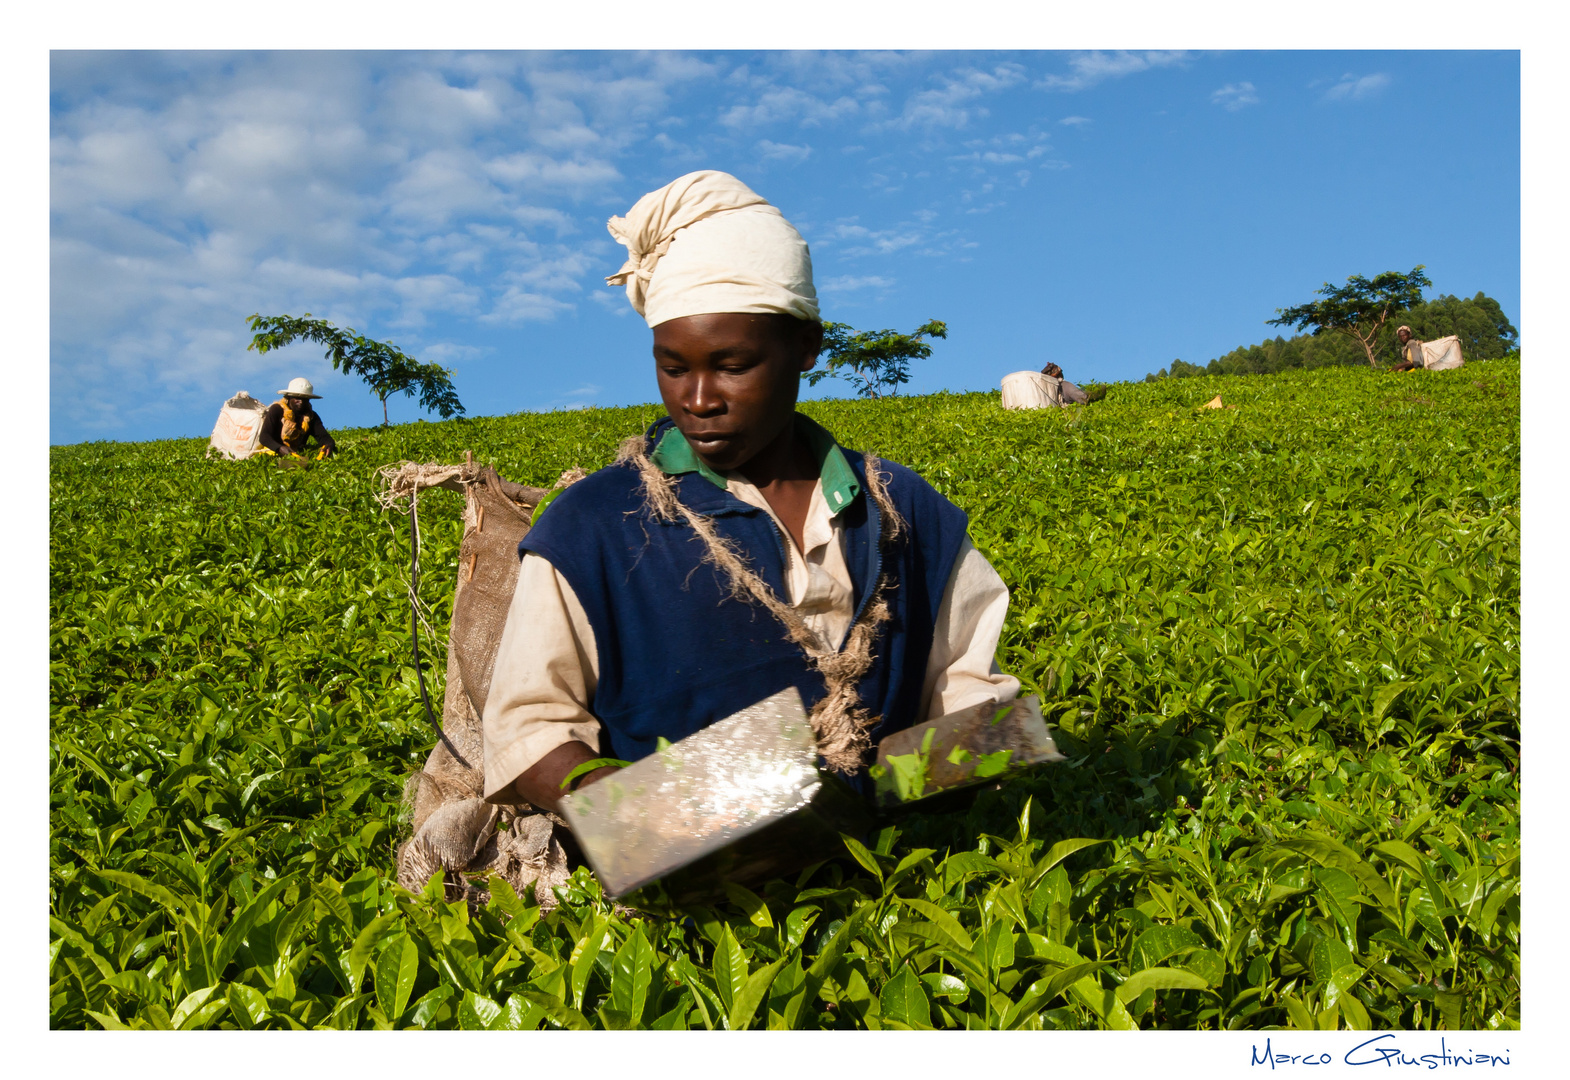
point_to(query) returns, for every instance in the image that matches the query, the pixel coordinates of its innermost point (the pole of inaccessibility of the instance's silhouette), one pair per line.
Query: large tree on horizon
(873, 360)
(386, 369)
(1359, 308)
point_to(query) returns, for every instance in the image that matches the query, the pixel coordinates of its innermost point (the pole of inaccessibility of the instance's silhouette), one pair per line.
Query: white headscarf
(707, 243)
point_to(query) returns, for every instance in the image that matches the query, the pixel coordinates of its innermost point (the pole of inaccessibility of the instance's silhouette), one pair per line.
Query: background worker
(290, 423)
(1409, 350)
(1068, 391)
(736, 548)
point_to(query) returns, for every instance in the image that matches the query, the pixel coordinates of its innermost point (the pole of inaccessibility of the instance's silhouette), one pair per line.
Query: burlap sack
(238, 431)
(1443, 354)
(1031, 390)
(453, 830)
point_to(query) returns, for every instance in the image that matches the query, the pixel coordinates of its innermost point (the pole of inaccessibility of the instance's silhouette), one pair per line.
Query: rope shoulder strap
(839, 721)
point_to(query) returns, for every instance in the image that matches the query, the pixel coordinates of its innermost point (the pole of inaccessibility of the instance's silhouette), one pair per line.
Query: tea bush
(1280, 643)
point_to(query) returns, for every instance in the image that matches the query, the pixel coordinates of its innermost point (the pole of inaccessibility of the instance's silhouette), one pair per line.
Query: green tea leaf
(1385, 695)
(426, 1009)
(477, 1012)
(750, 994)
(862, 856)
(246, 1006)
(730, 969)
(189, 1015)
(1159, 978)
(364, 946)
(823, 965)
(395, 974)
(584, 955)
(904, 1001)
(235, 933)
(330, 897)
(947, 925)
(1161, 943)
(1057, 853)
(562, 1015)
(744, 898)
(631, 974)
(137, 884)
(587, 767)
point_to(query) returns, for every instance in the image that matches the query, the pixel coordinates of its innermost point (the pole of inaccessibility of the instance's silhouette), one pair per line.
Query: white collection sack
(1442, 355)
(1031, 390)
(239, 427)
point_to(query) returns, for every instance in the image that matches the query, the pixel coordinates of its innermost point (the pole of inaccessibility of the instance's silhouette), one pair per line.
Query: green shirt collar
(674, 456)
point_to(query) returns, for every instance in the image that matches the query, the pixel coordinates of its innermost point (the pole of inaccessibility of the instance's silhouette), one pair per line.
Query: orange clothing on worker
(290, 423)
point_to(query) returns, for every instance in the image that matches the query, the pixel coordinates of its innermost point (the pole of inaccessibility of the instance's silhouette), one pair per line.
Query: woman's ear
(811, 343)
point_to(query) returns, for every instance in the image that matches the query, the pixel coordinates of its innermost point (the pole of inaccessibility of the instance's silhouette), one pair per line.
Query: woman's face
(730, 381)
(1404, 336)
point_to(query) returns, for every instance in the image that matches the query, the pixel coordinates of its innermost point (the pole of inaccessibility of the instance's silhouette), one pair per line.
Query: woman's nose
(704, 400)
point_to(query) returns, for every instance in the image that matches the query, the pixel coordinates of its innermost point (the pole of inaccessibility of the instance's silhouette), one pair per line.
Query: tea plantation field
(1280, 642)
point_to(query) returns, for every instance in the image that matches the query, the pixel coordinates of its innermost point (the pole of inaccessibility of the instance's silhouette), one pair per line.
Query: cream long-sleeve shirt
(547, 665)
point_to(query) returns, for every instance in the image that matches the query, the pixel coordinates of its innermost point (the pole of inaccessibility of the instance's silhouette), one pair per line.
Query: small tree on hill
(386, 369)
(873, 359)
(1357, 309)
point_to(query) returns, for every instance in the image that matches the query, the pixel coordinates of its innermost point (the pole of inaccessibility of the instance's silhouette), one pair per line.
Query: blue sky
(1110, 211)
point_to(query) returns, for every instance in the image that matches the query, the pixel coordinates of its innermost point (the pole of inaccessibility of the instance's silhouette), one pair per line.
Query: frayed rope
(838, 720)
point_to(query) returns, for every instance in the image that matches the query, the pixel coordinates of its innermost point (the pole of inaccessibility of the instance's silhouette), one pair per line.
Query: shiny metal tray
(704, 795)
(972, 746)
(743, 800)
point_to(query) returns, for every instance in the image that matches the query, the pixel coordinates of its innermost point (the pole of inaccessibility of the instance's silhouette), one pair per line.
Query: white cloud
(582, 397)
(518, 304)
(954, 102)
(1074, 121)
(784, 104)
(612, 300)
(867, 241)
(537, 170)
(1088, 69)
(841, 87)
(851, 283)
(849, 239)
(450, 355)
(1235, 96)
(378, 191)
(1352, 87)
(773, 151)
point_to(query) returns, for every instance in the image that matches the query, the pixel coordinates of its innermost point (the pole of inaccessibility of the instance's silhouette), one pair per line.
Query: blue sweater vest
(676, 653)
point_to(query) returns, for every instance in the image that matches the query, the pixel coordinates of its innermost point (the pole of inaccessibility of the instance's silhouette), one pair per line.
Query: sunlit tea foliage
(1280, 643)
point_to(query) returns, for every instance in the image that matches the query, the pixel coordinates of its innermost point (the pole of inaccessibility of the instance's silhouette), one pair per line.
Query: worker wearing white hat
(725, 283)
(300, 388)
(291, 423)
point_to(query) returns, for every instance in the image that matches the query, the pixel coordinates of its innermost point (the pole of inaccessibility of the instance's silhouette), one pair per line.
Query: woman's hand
(540, 784)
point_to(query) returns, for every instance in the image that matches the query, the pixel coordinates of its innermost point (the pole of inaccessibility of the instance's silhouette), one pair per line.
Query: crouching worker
(736, 548)
(1409, 351)
(291, 423)
(1070, 393)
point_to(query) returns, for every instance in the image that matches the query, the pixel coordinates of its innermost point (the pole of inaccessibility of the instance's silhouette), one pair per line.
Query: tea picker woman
(291, 423)
(1409, 350)
(736, 548)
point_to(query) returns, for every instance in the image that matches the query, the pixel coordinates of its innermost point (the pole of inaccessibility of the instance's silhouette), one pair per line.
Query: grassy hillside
(1280, 642)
